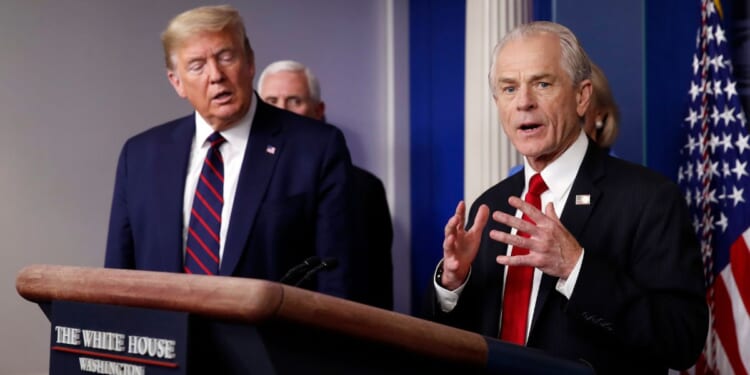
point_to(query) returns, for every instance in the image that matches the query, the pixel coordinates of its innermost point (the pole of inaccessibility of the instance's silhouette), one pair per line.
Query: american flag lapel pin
(271, 150)
(583, 200)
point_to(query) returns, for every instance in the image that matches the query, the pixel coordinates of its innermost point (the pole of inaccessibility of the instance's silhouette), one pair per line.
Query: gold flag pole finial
(718, 8)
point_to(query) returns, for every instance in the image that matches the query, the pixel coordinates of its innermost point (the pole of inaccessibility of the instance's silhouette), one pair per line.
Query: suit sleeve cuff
(566, 286)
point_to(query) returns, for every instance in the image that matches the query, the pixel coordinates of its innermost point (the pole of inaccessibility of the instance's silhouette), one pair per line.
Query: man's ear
(176, 82)
(583, 97)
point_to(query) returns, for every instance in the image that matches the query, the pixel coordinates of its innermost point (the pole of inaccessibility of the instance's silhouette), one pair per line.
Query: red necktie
(519, 279)
(202, 250)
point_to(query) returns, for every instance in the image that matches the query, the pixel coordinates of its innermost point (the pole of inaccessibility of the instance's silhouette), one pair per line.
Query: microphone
(328, 263)
(295, 272)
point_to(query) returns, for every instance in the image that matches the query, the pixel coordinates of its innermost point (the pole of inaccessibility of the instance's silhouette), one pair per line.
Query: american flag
(714, 177)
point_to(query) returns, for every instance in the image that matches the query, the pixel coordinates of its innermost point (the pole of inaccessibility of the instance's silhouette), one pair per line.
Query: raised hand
(460, 246)
(552, 249)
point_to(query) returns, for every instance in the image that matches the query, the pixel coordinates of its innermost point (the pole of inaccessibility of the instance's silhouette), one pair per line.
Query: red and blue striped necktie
(202, 250)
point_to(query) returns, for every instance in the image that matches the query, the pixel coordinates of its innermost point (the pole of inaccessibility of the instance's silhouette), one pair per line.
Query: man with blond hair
(238, 187)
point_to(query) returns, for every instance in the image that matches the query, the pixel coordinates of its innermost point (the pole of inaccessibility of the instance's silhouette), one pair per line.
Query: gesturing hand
(552, 249)
(460, 246)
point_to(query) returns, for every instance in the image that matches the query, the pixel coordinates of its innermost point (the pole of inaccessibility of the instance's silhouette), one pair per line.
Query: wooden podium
(141, 322)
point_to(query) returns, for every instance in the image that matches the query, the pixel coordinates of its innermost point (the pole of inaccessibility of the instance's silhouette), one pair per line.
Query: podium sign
(119, 340)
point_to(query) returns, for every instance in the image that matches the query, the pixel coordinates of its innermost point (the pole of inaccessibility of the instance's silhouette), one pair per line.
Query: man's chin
(528, 149)
(223, 120)
(231, 111)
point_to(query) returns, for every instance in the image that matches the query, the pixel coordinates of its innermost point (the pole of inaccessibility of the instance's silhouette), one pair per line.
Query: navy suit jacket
(638, 306)
(373, 239)
(293, 200)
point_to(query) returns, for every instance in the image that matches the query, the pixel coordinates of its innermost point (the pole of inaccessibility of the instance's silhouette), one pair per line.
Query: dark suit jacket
(290, 204)
(373, 237)
(638, 306)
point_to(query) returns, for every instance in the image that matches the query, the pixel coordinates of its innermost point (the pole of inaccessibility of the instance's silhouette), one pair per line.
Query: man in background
(238, 187)
(292, 86)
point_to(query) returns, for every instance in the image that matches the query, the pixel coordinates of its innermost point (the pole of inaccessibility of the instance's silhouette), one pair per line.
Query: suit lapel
(263, 149)
(576, 213)
(577, 209)
(515, 188)
(171, 168)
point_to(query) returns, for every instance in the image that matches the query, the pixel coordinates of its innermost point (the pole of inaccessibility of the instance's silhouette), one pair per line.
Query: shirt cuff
(566, 286)
(447, 298)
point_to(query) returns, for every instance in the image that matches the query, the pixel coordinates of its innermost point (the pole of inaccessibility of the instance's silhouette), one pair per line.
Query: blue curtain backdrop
(737, 20)
(671, 27)
(436, 59)
(616, 45)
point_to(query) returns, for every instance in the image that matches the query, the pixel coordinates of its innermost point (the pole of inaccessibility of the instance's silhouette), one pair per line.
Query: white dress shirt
(559, 176)
(233, 152)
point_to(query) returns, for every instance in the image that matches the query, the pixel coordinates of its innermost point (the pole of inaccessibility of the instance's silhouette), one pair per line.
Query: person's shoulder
(293, 123)
(515, 169)
(625, 171)
(604, 169)
(365, 175)
(627, 181)
(511, 185)
(167, 129)
(366, 181)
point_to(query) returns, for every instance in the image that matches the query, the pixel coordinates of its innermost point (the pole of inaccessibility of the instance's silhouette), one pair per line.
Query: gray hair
(313, 86)
(574, 60)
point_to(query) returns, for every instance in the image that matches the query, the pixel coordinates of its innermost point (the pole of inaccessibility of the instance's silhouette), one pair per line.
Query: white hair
(574, 59)
(293, 66)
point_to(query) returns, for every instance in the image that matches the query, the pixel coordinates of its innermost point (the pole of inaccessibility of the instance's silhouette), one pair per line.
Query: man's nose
(525, 99)
(215, 73)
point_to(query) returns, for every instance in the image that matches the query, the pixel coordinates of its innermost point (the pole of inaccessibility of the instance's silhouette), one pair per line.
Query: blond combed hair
(602, 100)
(215, 18)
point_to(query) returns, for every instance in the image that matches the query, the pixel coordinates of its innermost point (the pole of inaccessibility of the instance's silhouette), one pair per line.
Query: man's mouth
(529, 127)
(222, 96)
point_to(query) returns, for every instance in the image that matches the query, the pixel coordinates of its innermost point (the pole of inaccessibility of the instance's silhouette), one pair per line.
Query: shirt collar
(559, 174)
(237, 133)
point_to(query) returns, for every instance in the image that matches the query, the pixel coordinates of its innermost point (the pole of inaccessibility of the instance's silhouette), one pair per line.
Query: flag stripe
(740, 263)
(728, 305)
(722, 364)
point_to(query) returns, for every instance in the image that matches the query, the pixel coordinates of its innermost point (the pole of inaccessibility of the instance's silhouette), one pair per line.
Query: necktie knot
(537, 186)
(215, 139)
